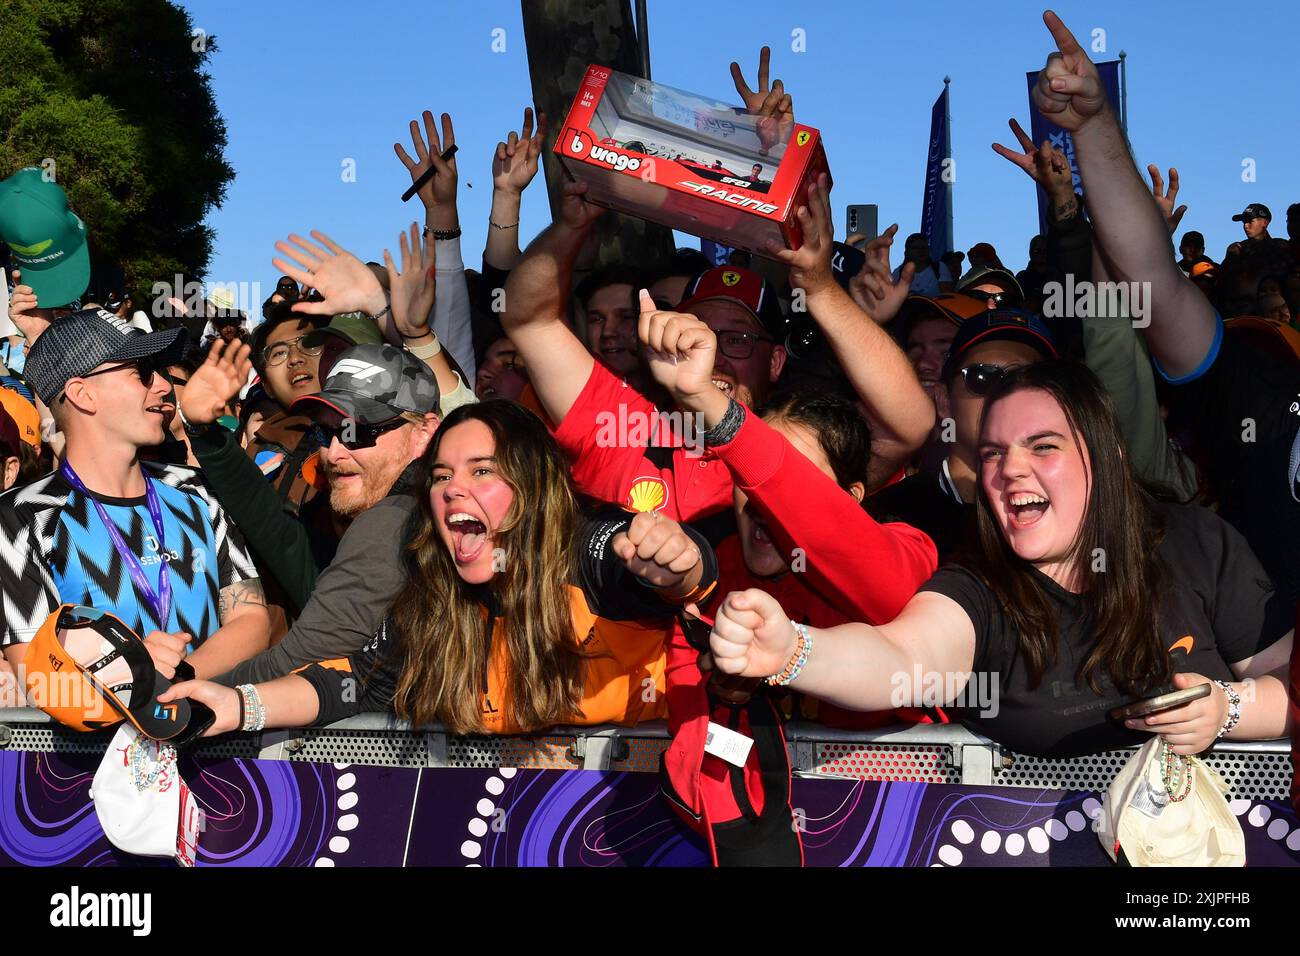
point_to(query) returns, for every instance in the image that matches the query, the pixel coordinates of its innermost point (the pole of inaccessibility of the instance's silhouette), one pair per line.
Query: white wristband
(426, 351)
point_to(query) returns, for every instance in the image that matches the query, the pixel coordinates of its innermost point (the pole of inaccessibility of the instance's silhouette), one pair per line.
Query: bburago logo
(75, 909)
(802, 138)
(579, 143)
(734, 199)
(933, 689)
(614, 159)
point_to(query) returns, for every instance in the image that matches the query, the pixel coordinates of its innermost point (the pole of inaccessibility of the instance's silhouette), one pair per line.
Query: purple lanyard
(161, 602)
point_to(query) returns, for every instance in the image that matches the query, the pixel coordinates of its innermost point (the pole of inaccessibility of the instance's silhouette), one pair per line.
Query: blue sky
(306, 85)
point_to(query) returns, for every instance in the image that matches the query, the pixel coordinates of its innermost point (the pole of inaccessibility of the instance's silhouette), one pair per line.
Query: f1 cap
(1004, 325)
(117, 675)
(1256, 210)
(370, 384)
(742, 286)
(46, 239)
(81, 342)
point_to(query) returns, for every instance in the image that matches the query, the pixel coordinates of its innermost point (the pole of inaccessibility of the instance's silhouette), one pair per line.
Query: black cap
(1256, 210)
(1006, 325)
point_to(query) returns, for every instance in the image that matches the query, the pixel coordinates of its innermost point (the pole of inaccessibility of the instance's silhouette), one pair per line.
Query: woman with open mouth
(1083, 594)
(520, 612)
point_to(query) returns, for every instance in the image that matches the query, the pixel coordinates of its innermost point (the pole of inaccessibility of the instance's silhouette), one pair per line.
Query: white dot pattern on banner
(962, 832)
(486, 807)
(1092, 807)
(478, 827)
(1238, 807)
(479, 865)
(346, 782)
(507, 772)
(348, 822)
(1258, 816)
(950, 855)
(347, 801)
(1015, 844)
(339, 844)
(1038, 841)
(1075, 820)
(1056, 829)
(1278, 829)
(991, 841)
(470, 849)
(342, 766)
(324, 861)
(1293, 841)
(495, 786)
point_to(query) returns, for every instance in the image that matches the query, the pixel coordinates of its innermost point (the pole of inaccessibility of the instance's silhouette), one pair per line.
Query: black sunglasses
(981, 378)
(145, 370)
(1000, 299)
(354, 435)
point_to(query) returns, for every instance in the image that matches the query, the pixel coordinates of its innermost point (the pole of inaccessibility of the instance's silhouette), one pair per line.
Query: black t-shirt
(1217, 598)
(926, 501)
(1245, 410)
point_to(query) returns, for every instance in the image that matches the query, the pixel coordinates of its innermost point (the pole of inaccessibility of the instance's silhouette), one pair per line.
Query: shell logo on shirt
(647, 494)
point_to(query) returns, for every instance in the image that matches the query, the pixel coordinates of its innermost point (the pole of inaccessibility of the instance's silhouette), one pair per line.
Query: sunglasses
(145, 369)
(981, 378)
(354, 435)
(999, 299)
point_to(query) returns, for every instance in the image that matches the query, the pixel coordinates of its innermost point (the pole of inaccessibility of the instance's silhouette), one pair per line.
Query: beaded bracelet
(255, 711)
(1234, 708)
(728, 425)
(797, 660)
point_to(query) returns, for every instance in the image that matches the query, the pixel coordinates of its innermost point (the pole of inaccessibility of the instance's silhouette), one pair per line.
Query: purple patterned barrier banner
(286, 813)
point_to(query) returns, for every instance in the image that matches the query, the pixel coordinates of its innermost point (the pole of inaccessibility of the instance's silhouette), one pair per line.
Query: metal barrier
(932, 753)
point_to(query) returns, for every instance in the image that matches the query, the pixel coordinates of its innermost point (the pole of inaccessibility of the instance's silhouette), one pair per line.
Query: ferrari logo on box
(802, 138)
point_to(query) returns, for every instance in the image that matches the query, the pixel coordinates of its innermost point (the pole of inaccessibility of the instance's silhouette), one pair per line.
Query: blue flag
(715, 252)
(936, 212)
(1042, 128)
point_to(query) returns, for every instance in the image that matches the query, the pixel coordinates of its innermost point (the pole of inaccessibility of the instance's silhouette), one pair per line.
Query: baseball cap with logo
(46, 239)
(1256, 210)
(1006, 325)
(743, 286)
(24, 413)
(371, 384)
(81, 342)
(118, 678)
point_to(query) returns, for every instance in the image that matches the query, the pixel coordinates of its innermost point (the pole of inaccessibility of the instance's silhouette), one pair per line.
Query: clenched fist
(659, 552)
(752, 637)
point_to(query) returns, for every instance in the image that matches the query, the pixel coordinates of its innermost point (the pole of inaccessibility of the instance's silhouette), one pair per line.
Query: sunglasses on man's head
(353, 435)
(981, 378)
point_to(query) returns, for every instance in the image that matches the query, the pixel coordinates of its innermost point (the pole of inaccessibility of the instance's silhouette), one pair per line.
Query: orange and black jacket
(621, 625)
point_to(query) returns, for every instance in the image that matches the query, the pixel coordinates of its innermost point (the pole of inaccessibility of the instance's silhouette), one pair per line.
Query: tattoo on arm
(239, 594)
(1066, 210)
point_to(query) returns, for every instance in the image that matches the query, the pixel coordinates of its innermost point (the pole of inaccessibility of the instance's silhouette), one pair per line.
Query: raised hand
(1165, 200)
(515, 162)
(752, 637)
(216, 382)
(439, 193)
(810, 264)
(575, 211)
(22, 310)
(1069, 90)
(1045, 164)
(680, 349)
(412, 290)
(346, 283)
(658, 551)
(874, 288)
(773, 105)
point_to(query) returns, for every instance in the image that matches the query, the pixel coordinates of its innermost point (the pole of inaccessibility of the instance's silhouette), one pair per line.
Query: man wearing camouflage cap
(377, 414)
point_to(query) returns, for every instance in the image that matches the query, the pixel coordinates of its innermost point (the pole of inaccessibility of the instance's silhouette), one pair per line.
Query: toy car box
(688, 162)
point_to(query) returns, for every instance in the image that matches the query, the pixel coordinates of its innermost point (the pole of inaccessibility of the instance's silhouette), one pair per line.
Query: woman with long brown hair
(519, 613)
(1083, 594)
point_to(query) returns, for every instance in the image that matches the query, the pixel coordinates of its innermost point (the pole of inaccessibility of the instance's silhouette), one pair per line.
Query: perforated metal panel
(371, 748)
(1250, 774)
(642, 754)
(543, 753)
(52, 738)
(925, 763)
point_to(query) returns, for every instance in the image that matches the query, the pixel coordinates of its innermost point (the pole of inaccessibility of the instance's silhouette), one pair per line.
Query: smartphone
(1161, 702)
(861, 217)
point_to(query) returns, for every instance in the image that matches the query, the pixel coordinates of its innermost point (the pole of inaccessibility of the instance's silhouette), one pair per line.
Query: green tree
(116, 94)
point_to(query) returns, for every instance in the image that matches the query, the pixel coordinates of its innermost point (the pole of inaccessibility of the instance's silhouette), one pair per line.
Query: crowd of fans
(402, 490)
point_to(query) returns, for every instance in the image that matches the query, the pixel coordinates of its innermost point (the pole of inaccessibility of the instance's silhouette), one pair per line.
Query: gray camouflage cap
(375, 383)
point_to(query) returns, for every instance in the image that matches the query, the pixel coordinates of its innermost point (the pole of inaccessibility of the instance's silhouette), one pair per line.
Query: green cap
(46, 239)
(357, 327)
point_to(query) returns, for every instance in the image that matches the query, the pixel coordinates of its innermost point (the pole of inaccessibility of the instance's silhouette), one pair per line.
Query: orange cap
(25, 416)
